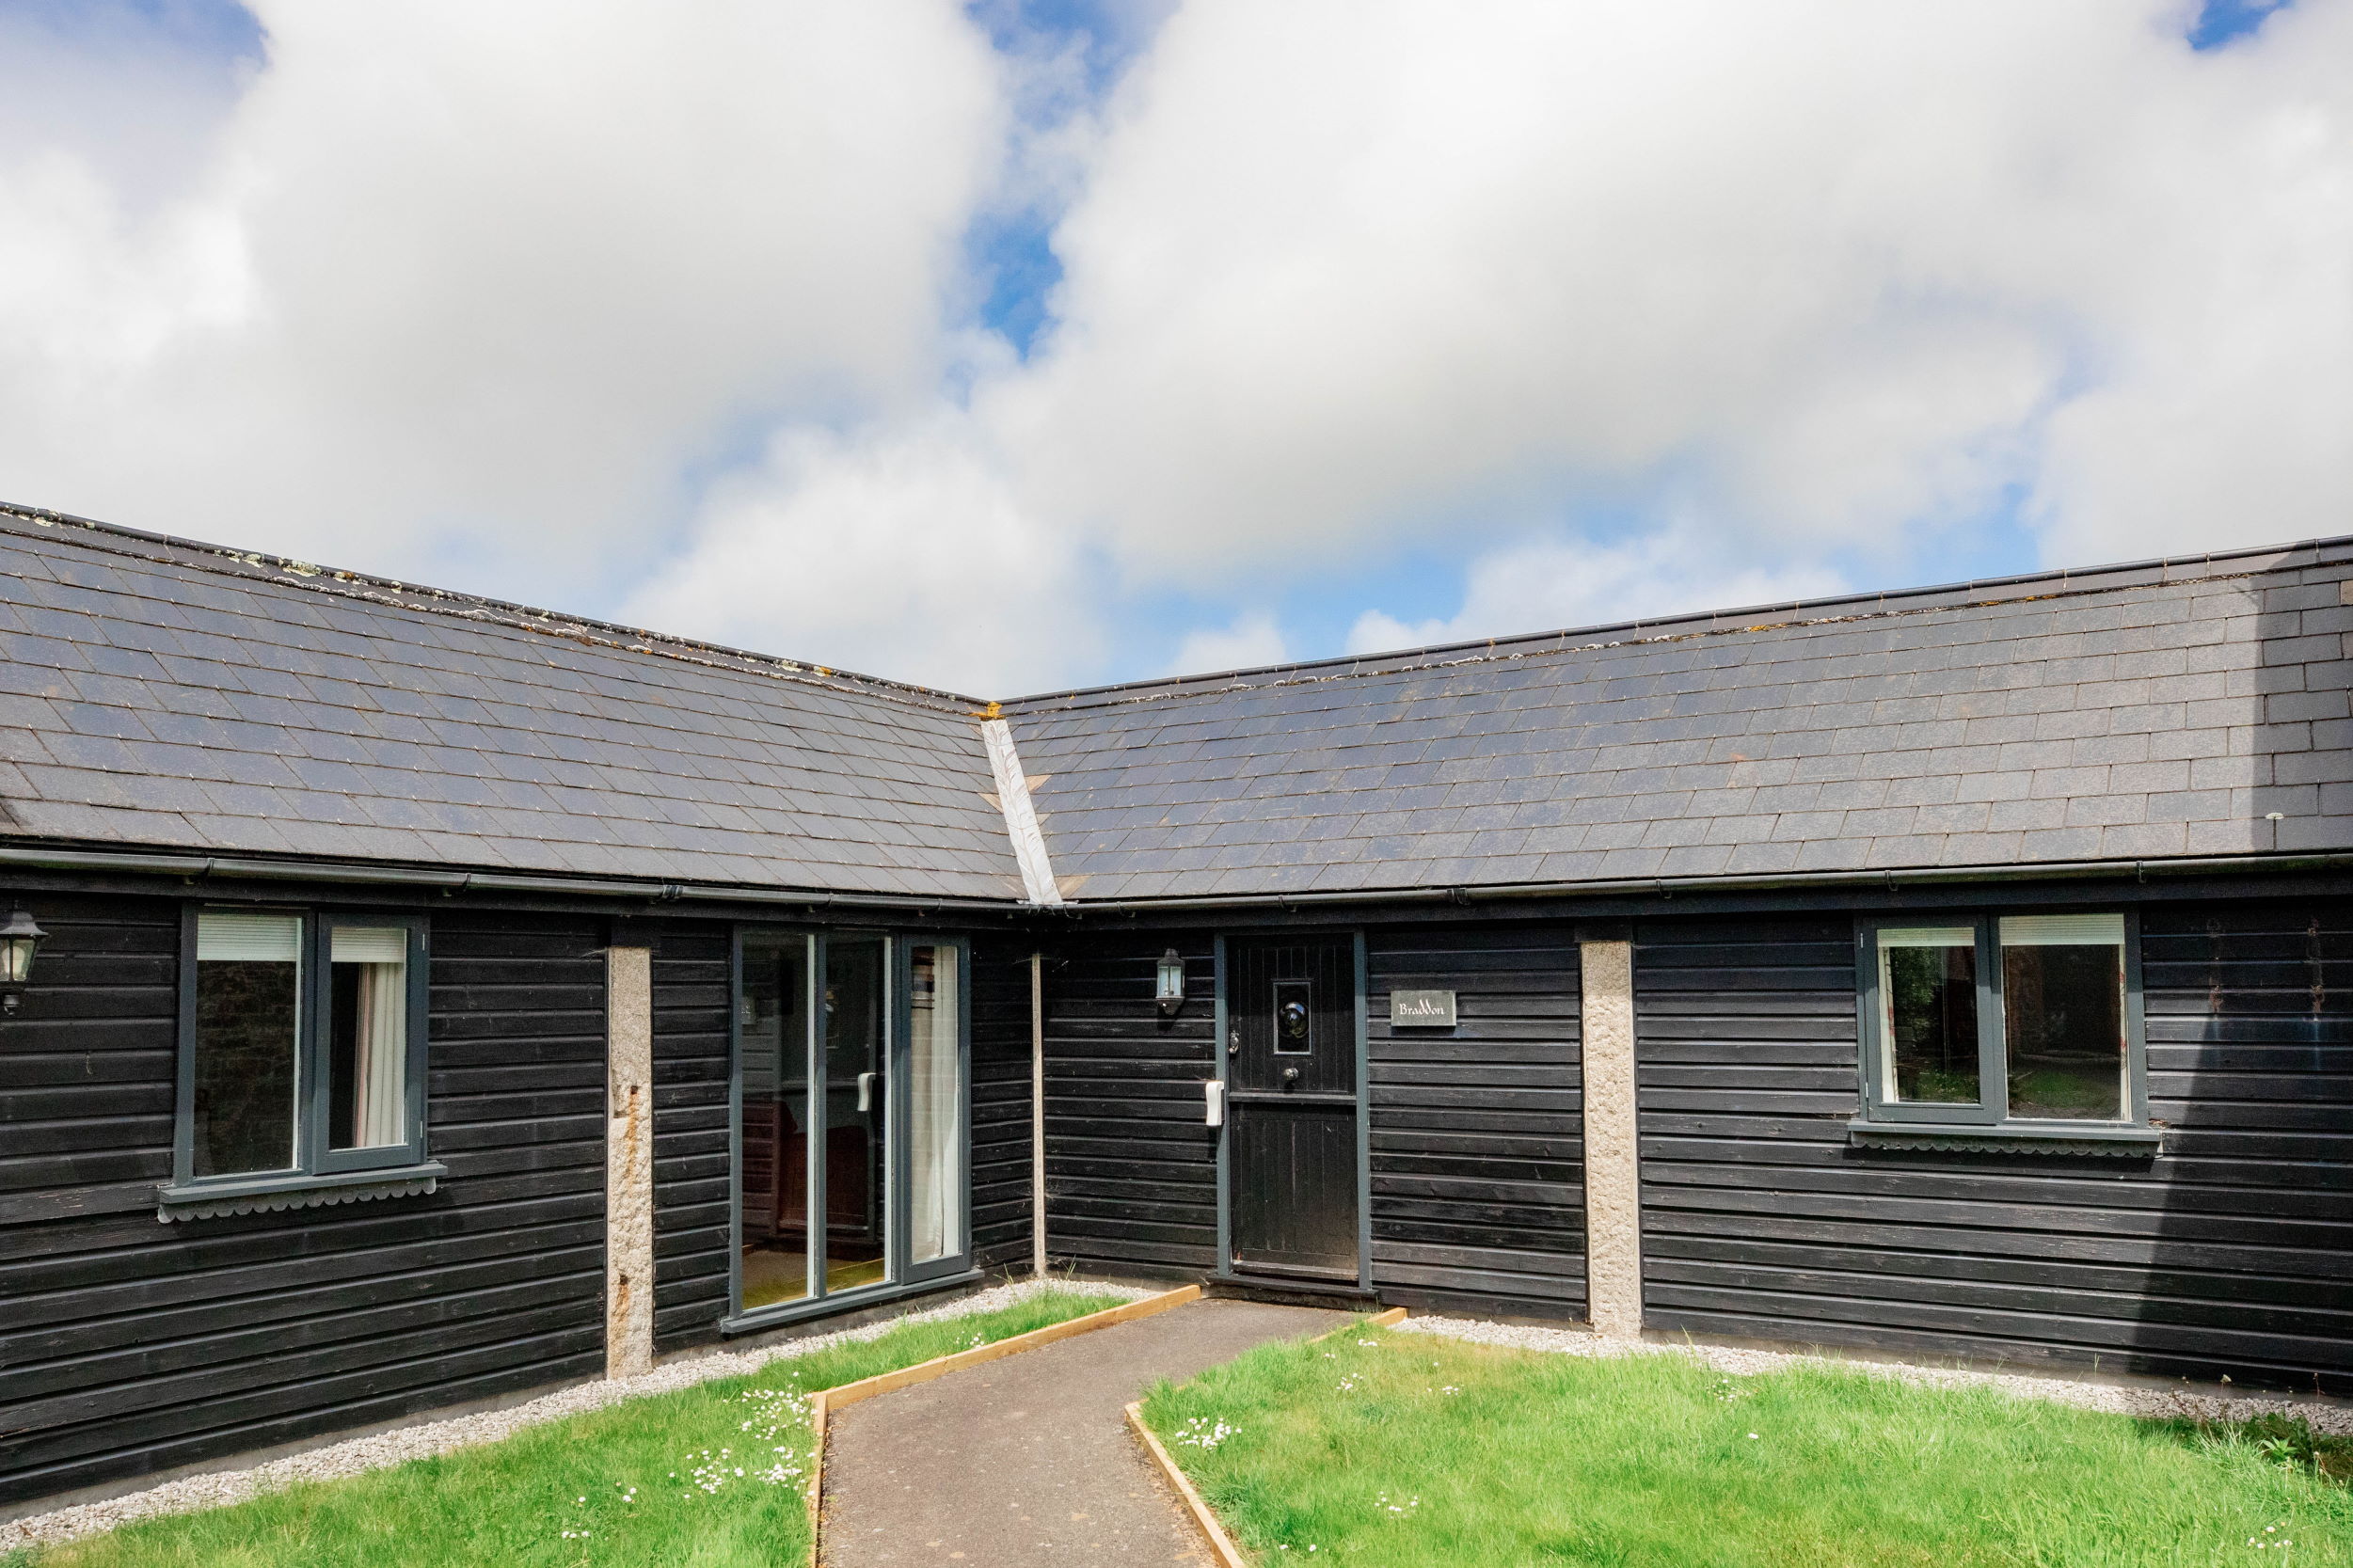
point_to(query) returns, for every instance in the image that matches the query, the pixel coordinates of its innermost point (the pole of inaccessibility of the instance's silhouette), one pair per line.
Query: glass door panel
(852, 1163)
(935, 1166)
(857, 1116)
(774, 1131)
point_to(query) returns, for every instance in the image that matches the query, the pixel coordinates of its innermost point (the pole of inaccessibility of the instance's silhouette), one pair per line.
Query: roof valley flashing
(166, 695)
(1021, 819)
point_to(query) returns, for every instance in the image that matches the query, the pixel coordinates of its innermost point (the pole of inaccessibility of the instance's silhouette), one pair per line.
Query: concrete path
(1028, 1460)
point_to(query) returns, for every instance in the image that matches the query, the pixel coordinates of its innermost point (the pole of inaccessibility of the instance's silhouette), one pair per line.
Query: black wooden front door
(1291, 1075)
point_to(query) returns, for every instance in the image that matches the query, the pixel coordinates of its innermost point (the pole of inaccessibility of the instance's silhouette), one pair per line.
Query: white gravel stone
(2115, 1398)
(383, 1450)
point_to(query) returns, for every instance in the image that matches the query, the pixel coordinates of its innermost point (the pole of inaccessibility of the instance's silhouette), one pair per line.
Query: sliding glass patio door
(850, 1117)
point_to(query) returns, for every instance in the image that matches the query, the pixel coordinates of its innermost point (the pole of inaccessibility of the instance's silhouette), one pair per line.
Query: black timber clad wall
(128, 1346)
(1000, 1103)
(691, 1176)
(2231, 1252)
(1130, 1170)
(1478, 1151)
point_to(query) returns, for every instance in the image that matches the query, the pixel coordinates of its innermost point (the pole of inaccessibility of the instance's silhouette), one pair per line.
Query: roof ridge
(1976, 592)
(341, 583)
(2067, 581)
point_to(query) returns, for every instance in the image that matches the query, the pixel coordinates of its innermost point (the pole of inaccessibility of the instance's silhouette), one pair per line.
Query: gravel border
(380, 1451)
(2113, 1398)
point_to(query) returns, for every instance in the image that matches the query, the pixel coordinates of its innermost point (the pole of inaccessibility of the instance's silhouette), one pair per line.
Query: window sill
(262, 1194)
(2010, 1138)
(784, 1314)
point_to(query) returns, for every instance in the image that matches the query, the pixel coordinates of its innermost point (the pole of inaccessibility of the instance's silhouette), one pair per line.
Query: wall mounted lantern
(1170, 993)
(19, 939)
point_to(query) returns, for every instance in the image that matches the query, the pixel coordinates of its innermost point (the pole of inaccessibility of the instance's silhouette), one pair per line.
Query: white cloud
(493, 278)
(1762, 283)
(1780, 282)
(904, 558)
(1829, 268)
(1250, 640)
(1551, 585)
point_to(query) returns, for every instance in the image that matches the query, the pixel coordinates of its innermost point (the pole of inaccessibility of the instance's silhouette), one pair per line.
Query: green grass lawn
(711, 1476)
(1377, 1448)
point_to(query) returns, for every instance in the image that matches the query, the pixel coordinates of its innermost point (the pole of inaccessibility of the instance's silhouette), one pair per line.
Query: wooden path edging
(823, 1402)
(1221, 1547)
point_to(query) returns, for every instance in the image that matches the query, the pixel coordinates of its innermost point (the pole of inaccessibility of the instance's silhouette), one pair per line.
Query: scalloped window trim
(2010, 1138)
(214, 1200)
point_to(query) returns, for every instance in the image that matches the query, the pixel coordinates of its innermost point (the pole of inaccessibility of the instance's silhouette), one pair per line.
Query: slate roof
(2127, 713)
(169, 694)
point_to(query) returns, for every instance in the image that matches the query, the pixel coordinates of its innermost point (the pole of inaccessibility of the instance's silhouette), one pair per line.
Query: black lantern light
(1170, 991)
(19, 939)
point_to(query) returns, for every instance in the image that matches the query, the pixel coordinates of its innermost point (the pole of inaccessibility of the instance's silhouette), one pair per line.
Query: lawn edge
(823, 1402)
(201, 1491)
(1221, 1546)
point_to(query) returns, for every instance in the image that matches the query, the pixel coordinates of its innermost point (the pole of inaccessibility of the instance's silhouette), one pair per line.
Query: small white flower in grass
(1752, 1434)
(1370, 1344)
(1200, 1431)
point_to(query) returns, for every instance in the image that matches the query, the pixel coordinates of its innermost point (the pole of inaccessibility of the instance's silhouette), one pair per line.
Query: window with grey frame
(2016, 1022)
(302, 1050)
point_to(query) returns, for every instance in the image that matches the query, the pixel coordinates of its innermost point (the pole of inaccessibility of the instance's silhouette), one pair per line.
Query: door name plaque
(1421, 1009)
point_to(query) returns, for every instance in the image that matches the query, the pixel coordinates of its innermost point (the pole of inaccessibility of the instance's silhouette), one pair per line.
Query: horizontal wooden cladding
(88, 1077)
(2230, 1252)
(1131, 1168)
(128, 1346)
(1000, 1103)
(692, 1181)
(1477, 1151)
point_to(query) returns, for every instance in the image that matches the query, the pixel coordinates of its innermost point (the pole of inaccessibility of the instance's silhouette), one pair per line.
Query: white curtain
(935, 1171)
(380, 1054)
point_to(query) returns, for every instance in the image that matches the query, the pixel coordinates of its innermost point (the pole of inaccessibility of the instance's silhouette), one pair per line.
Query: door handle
(1214, 1098)
(865, 1091)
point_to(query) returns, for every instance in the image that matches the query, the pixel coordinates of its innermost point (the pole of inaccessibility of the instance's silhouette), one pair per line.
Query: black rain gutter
(197, 868)
(1664, 887)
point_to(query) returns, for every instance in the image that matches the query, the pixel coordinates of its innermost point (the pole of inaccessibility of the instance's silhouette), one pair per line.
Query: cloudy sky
(1028, 343)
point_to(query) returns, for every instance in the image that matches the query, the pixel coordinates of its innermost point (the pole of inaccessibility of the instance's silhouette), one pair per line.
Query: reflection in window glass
(857, 1114)
(367, 1073)
(2063, 1009)
(1928, 998)
(774, 1172)
(248, 980)
(935, 1174)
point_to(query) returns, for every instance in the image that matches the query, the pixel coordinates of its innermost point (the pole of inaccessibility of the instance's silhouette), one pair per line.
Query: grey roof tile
(170, 694)
(1957, 733)
(203, 701)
